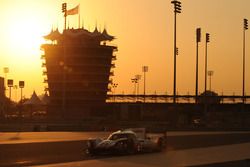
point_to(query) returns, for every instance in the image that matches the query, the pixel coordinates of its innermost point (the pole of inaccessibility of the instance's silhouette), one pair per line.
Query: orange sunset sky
(144, 32)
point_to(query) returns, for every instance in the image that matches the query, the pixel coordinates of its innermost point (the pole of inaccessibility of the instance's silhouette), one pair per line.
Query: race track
(39, 153)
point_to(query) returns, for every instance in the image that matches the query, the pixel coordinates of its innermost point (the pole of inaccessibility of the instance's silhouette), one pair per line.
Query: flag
(73, 11)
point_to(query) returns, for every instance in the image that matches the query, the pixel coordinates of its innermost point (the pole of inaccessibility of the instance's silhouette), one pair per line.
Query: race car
(125, 142)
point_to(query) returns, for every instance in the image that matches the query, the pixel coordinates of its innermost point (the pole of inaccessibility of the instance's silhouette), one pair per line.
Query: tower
(78, 68)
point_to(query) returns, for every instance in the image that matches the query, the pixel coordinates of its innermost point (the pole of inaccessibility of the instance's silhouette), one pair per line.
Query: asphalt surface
(228, 155)
(239, 163)
(38, 153)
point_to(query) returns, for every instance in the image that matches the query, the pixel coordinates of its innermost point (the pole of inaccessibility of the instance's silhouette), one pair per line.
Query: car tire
(131, 149)
(138, 148)
(161, 143)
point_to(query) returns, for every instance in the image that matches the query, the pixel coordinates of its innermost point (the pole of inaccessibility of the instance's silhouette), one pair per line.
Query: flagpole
(79, 17)
(64, 10)
(65, 21)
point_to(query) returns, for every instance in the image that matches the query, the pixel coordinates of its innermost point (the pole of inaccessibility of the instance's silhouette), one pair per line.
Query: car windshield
(118, 136)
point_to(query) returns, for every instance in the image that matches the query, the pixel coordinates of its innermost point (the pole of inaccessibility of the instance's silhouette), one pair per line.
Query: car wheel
(131, 148)
(89, 152)
(161, 143)
(121, 147)
(138, 148)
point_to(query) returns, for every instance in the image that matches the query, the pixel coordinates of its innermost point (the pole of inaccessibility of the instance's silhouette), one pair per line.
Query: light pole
(21, 86)
(144, 70)
(210, 73)
(245, 27)
(114, 86)
(10, 85)
(6, 71)
(177, 9)
(138, 77)
(134, 81)
(207, 40)
(64, 95)
(198, 39)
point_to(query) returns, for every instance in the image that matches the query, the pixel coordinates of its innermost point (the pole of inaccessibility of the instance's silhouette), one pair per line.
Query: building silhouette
(78, 65)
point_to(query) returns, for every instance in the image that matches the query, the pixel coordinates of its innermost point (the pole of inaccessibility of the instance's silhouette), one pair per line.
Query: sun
(23, 37)
(26, 36)
(23, 25)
